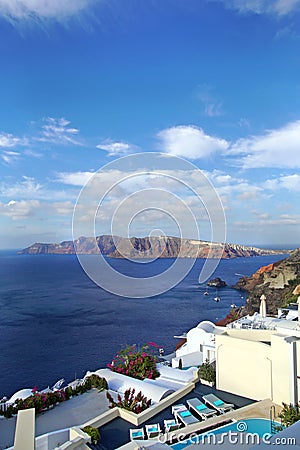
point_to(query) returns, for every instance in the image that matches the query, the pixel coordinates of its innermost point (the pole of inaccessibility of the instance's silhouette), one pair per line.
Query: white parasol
(263, 306)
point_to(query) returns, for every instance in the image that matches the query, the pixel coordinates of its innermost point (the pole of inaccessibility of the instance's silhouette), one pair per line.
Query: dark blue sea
(56, 323)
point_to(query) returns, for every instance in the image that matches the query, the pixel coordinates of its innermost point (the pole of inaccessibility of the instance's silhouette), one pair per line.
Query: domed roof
(22, 394)
(207, 326)
(150, 388)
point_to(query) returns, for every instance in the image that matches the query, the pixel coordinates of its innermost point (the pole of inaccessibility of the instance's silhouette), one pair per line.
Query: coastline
(67, 308)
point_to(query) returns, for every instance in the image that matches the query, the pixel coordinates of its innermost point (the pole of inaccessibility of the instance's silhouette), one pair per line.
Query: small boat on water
(233, 305)
(217, 298)
(205, 293)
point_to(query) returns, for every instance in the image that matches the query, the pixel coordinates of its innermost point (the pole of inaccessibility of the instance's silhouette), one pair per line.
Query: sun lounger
(136, 433)
(171, 425)
(200, 408)
(217, 403)
(181, 413)
(153, 431)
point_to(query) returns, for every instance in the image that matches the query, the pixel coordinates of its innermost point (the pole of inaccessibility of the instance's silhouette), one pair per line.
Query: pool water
(258, 426)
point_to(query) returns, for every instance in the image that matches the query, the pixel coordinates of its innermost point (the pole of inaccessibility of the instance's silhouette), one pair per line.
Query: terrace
(257, 322)
(88, 407)
(115, 434)
(74, 412)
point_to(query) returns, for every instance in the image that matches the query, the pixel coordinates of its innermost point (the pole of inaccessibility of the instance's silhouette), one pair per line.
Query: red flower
(153, 344)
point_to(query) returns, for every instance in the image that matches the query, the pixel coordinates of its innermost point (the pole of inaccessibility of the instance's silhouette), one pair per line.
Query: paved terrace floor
(116, 433)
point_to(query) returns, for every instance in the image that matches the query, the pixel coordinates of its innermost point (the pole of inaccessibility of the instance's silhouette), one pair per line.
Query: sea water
(56, 323)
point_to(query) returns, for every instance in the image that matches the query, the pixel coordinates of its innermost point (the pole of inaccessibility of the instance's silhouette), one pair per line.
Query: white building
(256, 356)
(199, 345)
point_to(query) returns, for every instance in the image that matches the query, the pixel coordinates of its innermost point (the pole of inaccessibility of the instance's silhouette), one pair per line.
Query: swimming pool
(251, 426)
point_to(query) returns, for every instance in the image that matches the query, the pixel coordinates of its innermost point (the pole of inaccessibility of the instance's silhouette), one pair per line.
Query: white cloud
(190, 142)
(29, 188)
(282, 220)
(231, 187)
(8, 140)
(26, 187)
(74, 178)
(244, 123)
(289, 182)
(116, 148)
(212, 106)
(213, 109)
(123, 193)
(32, 153)
(19, 210)
(275, 148)
(176, 181)
(57, 131)
(275, 7)
(16, 10)
(278, 148)
(61, 208)
(260, 214)
(9, 156)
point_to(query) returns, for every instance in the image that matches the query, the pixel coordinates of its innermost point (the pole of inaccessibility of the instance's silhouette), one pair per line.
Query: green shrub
(8, 413)
(294, 282)
(93, 433)
(41, 402)
(207, 372)
(94, 381)
(289, 414)
(68, 392)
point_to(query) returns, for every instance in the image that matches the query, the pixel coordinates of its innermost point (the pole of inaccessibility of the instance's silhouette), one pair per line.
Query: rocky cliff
(154, 247)
(216, 282)
(276, 281)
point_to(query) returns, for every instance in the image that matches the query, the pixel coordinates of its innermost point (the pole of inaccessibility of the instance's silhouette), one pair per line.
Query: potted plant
(93, 433)
(207, 374)
(130, 401)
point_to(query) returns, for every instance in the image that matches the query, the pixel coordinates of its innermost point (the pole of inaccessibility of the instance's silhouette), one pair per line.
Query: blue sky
(215, 82)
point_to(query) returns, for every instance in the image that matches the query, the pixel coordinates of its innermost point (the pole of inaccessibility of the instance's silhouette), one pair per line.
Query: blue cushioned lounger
(200, 408)
(217, 403)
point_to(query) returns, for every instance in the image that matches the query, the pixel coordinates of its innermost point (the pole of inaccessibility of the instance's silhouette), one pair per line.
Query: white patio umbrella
(263, 306)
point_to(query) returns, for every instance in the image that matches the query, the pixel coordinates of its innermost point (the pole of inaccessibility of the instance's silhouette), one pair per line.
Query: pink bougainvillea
(136, 362)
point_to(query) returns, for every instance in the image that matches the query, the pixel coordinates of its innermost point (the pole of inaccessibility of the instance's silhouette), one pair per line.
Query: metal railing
(4, 406)
(272, 419)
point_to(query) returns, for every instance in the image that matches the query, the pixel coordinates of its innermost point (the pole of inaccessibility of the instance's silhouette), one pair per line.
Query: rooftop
(257, 322)
(116, 433)
(75, 411)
